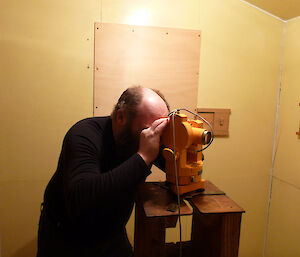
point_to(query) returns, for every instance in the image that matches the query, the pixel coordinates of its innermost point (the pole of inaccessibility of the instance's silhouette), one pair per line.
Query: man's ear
(121, 118)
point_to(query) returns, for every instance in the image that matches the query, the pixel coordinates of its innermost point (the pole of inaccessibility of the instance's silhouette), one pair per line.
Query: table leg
(149, 237)
(216, 235)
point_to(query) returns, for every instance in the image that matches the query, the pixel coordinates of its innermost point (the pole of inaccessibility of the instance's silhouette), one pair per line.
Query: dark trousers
(54, 241)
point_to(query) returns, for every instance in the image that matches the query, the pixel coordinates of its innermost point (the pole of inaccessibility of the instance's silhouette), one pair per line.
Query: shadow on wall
(28, 250)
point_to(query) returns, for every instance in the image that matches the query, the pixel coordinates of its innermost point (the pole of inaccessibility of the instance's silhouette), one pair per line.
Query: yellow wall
(239, 69)
(284, 226)
(46, 85)
(45, 48)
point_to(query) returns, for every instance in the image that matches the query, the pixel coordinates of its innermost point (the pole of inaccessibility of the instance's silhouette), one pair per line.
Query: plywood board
(163, 58)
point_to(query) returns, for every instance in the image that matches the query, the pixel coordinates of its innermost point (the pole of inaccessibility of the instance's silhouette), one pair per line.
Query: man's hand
(150, 140)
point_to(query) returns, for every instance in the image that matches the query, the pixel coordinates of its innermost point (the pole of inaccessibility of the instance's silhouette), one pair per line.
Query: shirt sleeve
(86, 185)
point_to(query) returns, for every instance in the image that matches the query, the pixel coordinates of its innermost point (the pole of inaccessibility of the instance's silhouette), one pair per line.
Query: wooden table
(215, 226)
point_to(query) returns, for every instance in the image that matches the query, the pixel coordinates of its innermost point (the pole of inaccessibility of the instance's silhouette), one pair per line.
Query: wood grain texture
(215, 226)
(163, 58)
(216, 235)
(215, 204)
(156, 200)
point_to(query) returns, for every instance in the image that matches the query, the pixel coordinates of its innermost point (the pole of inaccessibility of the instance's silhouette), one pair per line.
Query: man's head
(137, 109)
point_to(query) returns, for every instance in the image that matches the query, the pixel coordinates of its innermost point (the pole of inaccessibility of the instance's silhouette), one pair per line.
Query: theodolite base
(183, 189)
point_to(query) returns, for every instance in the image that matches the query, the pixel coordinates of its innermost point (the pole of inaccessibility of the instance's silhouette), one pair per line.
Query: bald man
(90, 197)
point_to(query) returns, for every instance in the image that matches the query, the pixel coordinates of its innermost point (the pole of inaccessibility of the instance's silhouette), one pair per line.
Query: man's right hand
(150, 140)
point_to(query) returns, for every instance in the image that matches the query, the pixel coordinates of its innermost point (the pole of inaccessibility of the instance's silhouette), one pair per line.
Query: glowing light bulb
(139, 17)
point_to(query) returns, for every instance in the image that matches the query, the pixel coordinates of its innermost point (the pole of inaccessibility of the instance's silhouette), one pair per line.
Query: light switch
(218, 118)
(221, 122)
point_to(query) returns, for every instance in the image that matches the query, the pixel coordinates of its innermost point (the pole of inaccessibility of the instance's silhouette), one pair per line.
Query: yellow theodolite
(188, 137)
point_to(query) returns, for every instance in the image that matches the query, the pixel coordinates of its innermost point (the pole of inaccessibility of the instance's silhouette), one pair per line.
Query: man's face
(127, 141)
(127, 138)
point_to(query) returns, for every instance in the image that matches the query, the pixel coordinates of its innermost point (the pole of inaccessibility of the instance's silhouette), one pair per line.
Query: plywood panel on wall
(163, 58)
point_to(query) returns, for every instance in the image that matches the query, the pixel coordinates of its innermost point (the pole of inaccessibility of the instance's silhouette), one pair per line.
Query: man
(89, 199)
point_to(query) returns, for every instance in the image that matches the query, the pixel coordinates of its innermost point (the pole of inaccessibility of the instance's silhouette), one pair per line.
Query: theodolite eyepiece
(206, 137)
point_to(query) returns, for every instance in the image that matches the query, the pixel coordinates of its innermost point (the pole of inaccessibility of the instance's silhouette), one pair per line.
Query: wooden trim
(298, 133)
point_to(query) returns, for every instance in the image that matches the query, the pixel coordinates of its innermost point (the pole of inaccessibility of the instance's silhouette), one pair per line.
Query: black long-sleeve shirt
(91, 194)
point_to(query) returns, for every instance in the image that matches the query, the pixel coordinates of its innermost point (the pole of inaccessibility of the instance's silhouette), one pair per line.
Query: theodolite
(183, 140)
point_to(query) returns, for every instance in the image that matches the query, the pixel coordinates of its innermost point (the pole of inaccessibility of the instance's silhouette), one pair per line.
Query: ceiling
(284, 9)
